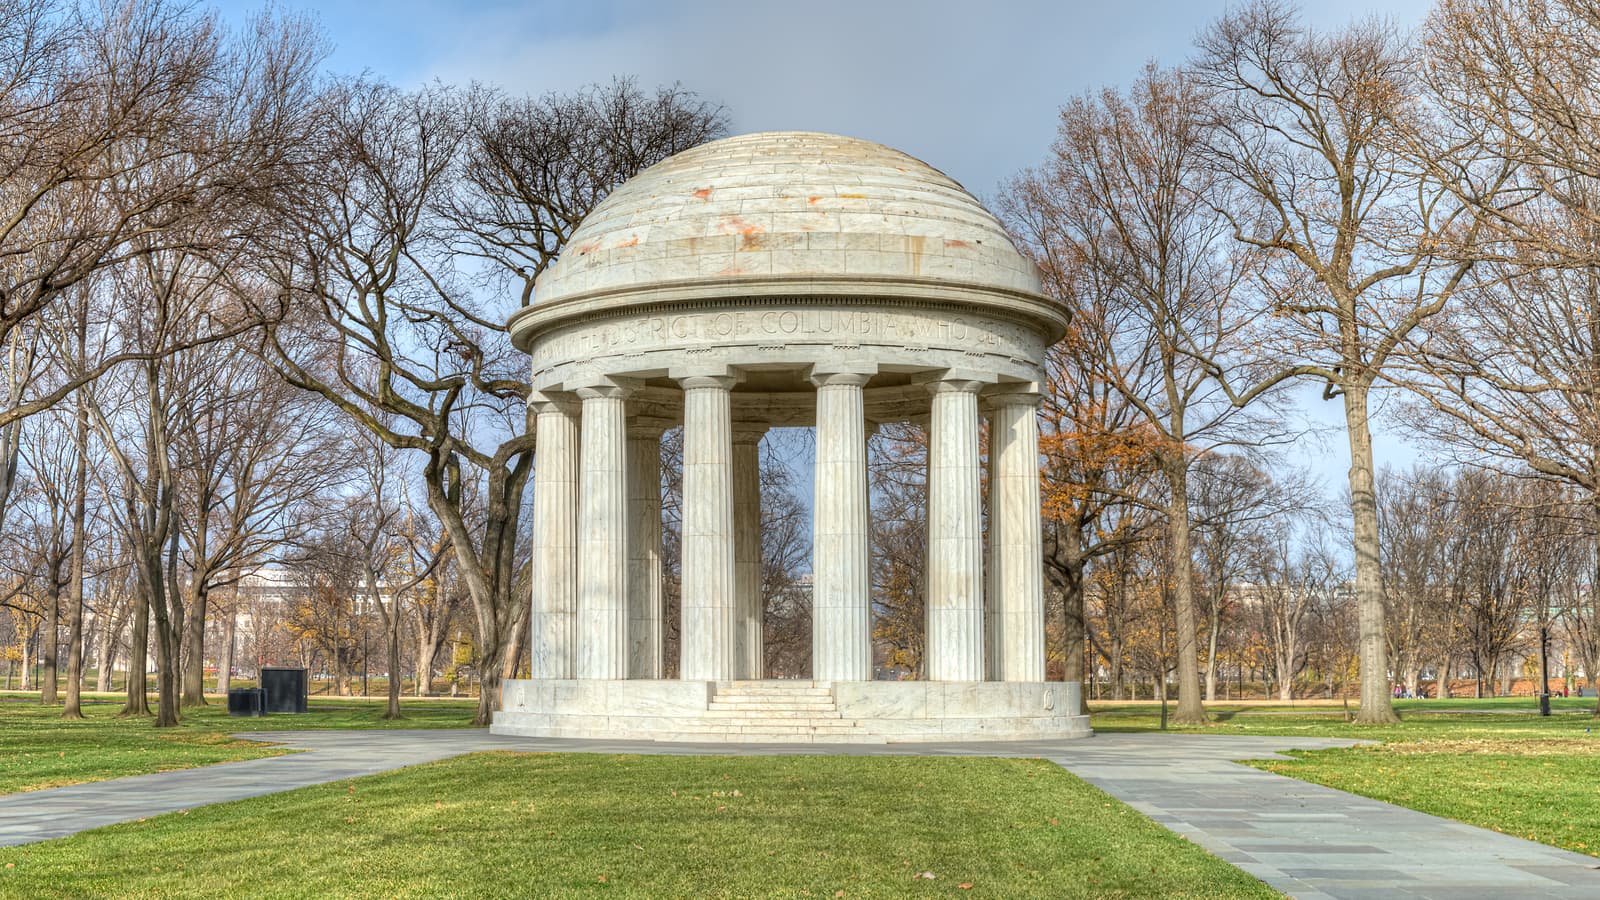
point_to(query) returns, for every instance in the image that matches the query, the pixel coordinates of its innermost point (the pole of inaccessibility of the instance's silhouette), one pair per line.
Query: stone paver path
(1308, 841)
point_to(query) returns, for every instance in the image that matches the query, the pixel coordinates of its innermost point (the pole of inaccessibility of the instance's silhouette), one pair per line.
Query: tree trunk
(1377, 706)
(1074, 631)
(49, 644)
(167, 636)
(1119, 688)
(230, 630)
(393, 711)
(194, 637)
(74, 709)
(1211, 650)
(426, 649)
(27, 659)
(138, 702)
(105, 647)
(80, 534)
(1190, 711)
(1443, 678)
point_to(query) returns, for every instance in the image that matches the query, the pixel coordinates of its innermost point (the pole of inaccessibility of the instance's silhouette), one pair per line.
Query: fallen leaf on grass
(965, 885)
(601, 879)
(928, 875)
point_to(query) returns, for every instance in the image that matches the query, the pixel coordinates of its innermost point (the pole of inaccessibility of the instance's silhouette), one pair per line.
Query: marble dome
(779, 209)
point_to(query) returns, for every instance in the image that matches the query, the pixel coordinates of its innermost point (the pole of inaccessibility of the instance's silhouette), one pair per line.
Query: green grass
(1503, 718)
(535, 825)
(1490, 763)
(38, 749)
(1546, 790)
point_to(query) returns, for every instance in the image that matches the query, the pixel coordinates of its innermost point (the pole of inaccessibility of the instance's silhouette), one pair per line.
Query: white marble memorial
(780, 280)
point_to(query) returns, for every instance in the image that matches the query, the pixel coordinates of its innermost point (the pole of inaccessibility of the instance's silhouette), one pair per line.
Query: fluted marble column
(552, 631)
(991, 597)
(710, 616)
(645, 626)
(1016, 539)
(955, 546)
(841, 629)
(603, 535)
(747, 549)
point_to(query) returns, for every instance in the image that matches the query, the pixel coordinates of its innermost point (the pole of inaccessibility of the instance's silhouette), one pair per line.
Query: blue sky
(970, 87)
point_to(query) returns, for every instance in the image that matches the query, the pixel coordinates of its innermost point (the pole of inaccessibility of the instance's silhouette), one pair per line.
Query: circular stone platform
(784, 279)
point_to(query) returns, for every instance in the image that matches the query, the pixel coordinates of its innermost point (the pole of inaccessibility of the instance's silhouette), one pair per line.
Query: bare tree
(1299, 600)
(1128, 191)
(252, 456)
(395, 551)
(125, 124)
(1323, 132)
(1414, 522)
(1097, 455)
(897, 466)
(404, 182)
(1237, 507)
(785, 554)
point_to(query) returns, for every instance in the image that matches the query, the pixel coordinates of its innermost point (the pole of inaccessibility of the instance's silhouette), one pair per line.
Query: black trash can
(286, 689)
(247, 702)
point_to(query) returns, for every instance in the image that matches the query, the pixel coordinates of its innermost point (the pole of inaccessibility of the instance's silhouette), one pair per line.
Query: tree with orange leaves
(1126, 220)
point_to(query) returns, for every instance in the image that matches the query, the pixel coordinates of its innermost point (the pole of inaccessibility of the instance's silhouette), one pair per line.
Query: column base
(804, 712)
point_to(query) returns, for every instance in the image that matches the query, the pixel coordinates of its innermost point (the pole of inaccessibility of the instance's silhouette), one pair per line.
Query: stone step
(754, 738)
(744, 703)
(784, 717)
(740, 726)
(807, 693)
(732, 721)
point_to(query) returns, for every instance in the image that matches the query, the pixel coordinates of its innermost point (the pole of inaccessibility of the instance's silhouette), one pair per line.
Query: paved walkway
(1307, 841)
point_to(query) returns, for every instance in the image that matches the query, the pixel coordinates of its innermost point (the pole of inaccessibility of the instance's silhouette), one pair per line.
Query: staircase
(775, 712)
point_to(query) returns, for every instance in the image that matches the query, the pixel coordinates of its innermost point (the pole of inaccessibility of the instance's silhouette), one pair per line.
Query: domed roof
(786, 208)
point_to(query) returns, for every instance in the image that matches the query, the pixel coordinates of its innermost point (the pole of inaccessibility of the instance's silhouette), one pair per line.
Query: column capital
(838, 379)
(957, 380)
(706, 382)
(749, 432)
(1012, 395)
(606, 387)
(954, 386)
(550, 402)
(824, 372)
(712, 375)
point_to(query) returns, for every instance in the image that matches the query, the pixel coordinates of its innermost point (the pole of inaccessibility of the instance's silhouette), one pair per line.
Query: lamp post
(1544, 669)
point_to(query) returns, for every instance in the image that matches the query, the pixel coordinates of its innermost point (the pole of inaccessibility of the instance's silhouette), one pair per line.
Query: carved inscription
(851, 326)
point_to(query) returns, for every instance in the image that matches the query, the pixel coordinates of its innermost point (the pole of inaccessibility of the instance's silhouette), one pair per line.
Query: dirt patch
(1544, 746)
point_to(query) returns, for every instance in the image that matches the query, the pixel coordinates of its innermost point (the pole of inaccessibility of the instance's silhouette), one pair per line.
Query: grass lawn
(1498, 718)
(541, 825)
(1544, 788)
(38, 749)
(1469, 760)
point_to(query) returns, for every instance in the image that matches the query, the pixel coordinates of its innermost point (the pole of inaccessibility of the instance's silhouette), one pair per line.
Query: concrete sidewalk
(1307, 841)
